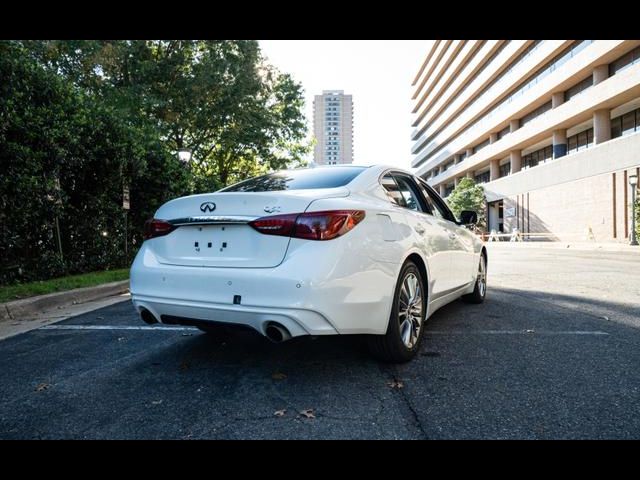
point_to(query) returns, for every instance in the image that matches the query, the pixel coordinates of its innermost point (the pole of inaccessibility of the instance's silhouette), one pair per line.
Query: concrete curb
(29, 307)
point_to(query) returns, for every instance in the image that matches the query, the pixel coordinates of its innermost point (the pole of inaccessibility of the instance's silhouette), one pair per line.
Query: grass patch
(15, 292)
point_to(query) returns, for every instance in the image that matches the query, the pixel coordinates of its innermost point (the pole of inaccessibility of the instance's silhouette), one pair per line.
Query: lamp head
(184, 155)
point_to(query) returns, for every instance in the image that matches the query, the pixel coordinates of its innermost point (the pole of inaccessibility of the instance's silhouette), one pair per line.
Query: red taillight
(326, 225)
(311, 225)
(276, 224)
(157, 228)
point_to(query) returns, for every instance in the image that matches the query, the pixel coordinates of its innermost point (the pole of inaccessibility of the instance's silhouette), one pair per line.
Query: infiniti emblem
(271, 209)
(208, 207)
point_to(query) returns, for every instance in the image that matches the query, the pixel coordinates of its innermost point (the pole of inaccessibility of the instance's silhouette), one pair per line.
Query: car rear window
(302, 179)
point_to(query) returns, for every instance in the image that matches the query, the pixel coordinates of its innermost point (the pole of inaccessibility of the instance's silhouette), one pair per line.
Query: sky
(378, 73)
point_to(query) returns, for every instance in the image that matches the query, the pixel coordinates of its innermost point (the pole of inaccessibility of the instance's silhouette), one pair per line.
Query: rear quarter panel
(364, 276)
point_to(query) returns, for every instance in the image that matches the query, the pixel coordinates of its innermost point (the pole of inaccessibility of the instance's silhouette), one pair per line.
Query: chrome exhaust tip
(277, 333)
(148, 317)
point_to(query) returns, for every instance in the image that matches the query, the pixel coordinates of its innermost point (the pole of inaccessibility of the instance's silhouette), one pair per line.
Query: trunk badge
(208, 207)
(271, 209)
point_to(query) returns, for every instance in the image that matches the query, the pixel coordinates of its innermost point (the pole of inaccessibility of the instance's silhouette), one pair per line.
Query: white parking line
(113, 327)
(427, 332)
(517, 332)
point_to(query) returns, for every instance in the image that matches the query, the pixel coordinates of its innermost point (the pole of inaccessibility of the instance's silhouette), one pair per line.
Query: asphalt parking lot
(554, 353)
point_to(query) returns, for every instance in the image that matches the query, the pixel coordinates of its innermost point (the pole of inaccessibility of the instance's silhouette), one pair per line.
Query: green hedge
(65, 157)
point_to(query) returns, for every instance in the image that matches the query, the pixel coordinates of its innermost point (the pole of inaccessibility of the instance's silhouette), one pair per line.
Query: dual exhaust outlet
(274, 331)
(148, 317)
(277, 333)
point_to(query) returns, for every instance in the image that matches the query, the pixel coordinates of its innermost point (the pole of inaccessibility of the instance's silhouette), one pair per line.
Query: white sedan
(316, 251)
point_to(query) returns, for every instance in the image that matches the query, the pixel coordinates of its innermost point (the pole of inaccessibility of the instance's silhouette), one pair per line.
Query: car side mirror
(468, 217)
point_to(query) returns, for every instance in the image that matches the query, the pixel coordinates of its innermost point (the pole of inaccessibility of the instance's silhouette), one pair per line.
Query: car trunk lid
(213, 231)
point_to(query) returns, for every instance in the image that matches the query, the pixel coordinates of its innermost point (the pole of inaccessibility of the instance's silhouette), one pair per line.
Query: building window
(448, 165)
(625, 124)
(505, 169)
(526, 53)
(629, 123)
(503, 132)
(553, 65)
(536, 113)
(568, 53)
(480, 146)
(578, 88)
(498, 51)
(580, 141)
(538, 157)
(448, 189)
(624, 61)
(463, 155)
(483, 177)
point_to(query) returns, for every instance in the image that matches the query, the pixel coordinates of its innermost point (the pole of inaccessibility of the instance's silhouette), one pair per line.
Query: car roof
(364, 180)
(376, 167)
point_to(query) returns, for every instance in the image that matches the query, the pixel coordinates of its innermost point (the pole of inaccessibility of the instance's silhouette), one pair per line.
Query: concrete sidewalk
(9, 328)
(29, 307)
(587, 246)
(29, 313)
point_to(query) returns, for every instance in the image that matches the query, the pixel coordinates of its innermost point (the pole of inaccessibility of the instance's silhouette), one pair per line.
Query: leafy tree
(239, 115)
(468, 196)
(65, 156)
(81, 119)
(55, 175)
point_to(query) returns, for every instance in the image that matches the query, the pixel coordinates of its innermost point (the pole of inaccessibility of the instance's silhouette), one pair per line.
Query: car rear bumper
(296, 321)
(328, 295)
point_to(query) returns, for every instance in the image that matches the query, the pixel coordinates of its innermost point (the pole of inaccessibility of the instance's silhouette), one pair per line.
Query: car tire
(402, 340)
(480, 290)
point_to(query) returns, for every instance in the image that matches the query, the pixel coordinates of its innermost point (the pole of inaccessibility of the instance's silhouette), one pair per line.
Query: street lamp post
(633, 181)
(184, 155)
(58, 201)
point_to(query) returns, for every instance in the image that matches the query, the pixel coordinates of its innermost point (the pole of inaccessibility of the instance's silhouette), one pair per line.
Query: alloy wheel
(410, 307)
(482, 277)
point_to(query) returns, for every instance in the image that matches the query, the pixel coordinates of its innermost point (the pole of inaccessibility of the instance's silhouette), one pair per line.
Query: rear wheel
(480, 289)
(404, 332)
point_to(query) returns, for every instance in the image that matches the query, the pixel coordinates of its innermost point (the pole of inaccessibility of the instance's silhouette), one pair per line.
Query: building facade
(551, 128)
(333, 128)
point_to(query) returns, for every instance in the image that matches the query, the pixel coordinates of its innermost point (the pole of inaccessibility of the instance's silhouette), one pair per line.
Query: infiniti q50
(316, 251)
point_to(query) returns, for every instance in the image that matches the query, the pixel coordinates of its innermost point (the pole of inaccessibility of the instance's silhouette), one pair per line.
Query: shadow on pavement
(466, 383)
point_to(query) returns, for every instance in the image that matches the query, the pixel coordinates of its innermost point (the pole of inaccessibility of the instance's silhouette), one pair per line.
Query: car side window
(409, 192)
(432, 208)
(403, 191)
(439, 210)
(393, 192)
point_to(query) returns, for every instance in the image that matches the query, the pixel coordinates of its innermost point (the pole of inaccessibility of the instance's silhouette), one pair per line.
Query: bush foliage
(79, 121)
